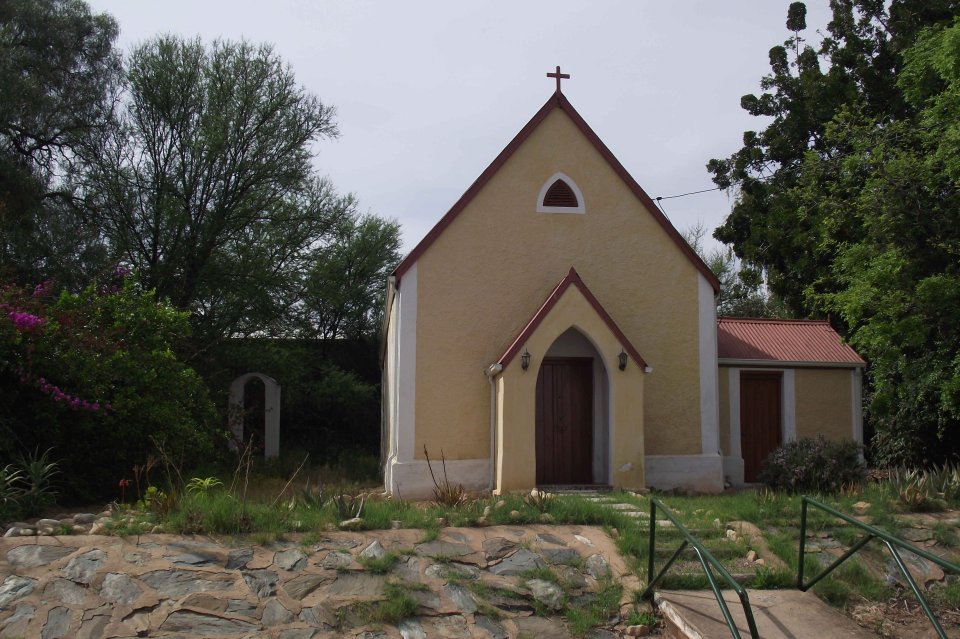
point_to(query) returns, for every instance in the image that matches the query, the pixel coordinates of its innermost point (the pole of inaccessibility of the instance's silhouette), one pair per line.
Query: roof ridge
(772, 320)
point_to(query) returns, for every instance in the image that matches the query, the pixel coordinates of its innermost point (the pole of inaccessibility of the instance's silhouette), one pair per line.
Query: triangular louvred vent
(560, 194)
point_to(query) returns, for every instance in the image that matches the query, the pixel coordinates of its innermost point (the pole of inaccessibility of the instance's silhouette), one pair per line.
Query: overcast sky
(428, 93)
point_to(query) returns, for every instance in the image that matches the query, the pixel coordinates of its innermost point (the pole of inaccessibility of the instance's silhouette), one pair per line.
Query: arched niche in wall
(271, 413)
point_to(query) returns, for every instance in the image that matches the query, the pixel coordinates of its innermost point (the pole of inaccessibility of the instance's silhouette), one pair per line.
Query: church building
(554, 329)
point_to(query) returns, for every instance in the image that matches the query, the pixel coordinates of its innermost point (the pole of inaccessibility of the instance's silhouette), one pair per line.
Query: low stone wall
(88, 587)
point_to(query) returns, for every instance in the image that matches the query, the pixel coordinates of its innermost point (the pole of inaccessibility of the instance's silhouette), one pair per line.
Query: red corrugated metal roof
(782, 341)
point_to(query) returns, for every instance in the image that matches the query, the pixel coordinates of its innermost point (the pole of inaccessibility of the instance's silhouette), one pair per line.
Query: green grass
(775, 514)
(834, 592)
(767, 578)
(480, 589)
(637, 618)
(430, 533)
(543, 574)
(222, 513)
(483, 592)
(945, 535)
(951, 593)
(379, 565)
(602, 607)
(784, 546)
(398, 605)
(862, 581)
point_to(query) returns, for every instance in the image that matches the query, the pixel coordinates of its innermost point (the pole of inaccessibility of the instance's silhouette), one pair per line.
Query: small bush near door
(814, 466)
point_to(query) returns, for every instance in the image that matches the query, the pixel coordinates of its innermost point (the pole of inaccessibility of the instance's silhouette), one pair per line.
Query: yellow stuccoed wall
(486, 275)
(516, 453)
(824, 402)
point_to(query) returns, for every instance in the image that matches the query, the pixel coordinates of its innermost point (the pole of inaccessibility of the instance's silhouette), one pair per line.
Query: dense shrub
(814, 465)
(93, 376)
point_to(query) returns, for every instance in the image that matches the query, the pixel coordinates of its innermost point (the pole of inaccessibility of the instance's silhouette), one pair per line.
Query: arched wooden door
(759, 419)
(564, 421)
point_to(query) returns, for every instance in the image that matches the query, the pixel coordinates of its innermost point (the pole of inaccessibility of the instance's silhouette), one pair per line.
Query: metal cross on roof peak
(559, 76)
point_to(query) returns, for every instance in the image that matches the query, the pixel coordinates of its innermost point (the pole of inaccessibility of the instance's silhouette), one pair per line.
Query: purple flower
(24, 321)
(42, 290)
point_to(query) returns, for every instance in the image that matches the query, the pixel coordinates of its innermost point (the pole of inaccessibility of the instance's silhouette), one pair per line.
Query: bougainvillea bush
(93, 376)
(814, 465)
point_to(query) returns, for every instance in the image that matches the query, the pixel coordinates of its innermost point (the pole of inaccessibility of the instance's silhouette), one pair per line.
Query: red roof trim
(572, 279)
(557, 100)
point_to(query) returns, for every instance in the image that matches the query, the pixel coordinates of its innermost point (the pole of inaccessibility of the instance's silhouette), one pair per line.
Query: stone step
(778, 614)
(742, 578)
(622, 506)
(721, 554)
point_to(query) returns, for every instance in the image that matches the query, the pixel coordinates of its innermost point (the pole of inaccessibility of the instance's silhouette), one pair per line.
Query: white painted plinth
(701, 473)
(411, 480)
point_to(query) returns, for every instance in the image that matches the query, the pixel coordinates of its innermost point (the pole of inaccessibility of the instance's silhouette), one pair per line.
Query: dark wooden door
(564, 421)
(759, 419)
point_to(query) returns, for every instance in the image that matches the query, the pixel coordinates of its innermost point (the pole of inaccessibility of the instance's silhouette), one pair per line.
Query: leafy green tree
(347, 278)
(94, 376)
(900, 285)
(205, 184)
(742, 289)
(58, 71)
(856, 65)
(847, 201)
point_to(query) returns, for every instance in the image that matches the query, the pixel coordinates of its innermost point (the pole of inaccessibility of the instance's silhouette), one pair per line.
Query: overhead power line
(888, 136)
(670, 197)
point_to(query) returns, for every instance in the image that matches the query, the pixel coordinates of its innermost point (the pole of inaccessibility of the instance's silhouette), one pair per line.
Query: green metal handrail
(888, 540)
(706, 560)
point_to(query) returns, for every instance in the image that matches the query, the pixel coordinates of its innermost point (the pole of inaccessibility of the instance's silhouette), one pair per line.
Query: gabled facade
(552, 328)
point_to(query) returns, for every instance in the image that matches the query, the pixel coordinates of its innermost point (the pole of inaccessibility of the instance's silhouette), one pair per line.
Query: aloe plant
(37, 475)
(311, 497)
(348, 506)
(203, 485)
(11, 490)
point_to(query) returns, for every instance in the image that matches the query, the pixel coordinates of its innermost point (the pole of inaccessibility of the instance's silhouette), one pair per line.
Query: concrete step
(722, 554)
(622, 506)
(669, 532)
(779, 614)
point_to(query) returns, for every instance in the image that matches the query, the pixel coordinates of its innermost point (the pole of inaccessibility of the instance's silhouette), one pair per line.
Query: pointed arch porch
(571, 306)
